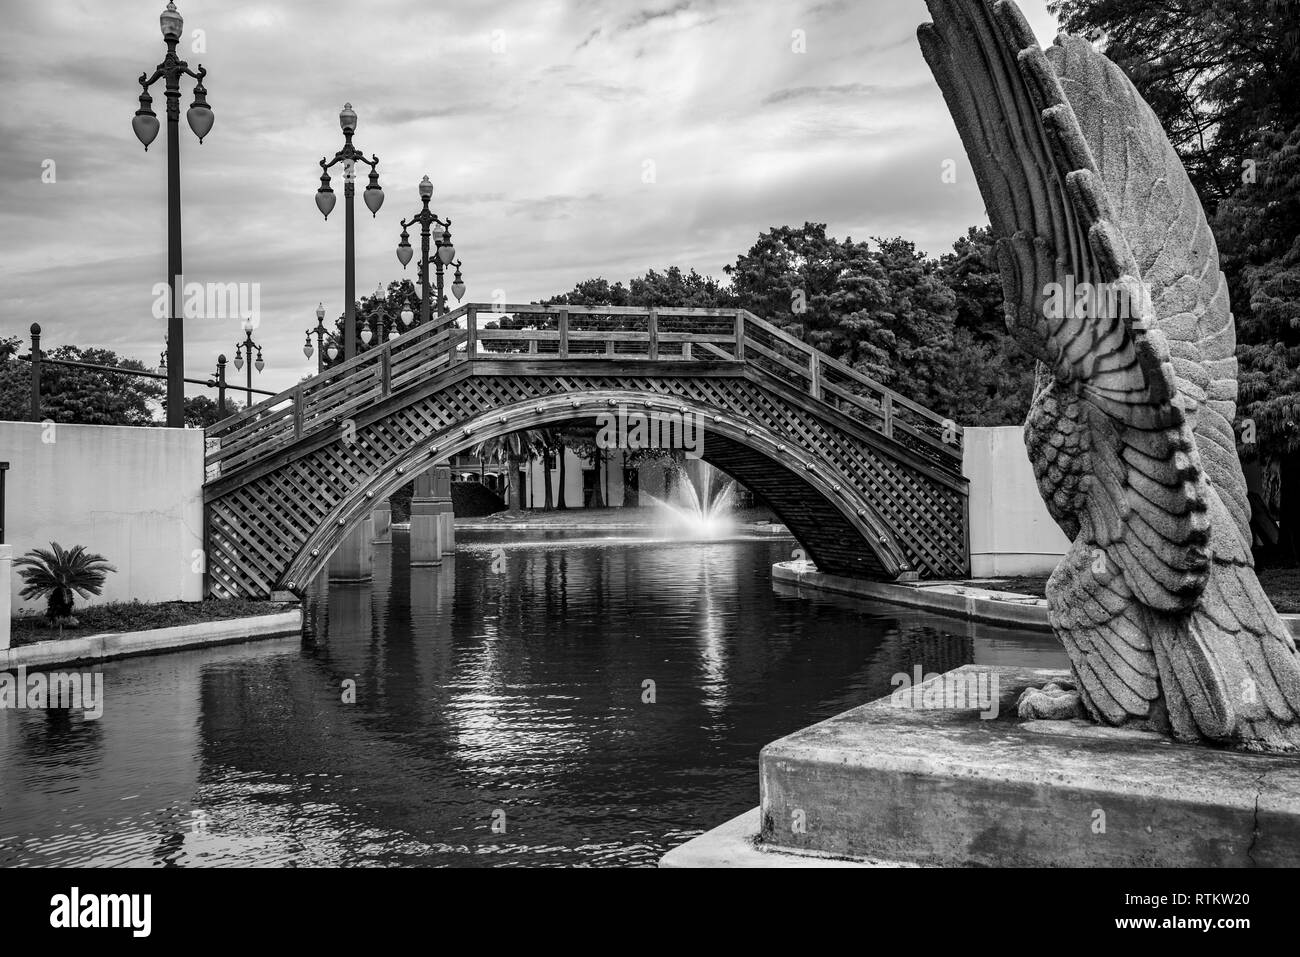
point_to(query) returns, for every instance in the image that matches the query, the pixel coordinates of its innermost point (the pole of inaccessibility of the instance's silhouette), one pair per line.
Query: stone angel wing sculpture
(1130, 432)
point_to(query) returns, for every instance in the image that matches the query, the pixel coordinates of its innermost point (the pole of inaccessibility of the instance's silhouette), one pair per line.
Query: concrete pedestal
(6, 598)
(354, 561)
(382, 517)
(926, 780)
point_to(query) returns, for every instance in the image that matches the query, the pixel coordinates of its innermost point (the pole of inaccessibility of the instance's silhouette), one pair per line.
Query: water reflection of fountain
(701, 504)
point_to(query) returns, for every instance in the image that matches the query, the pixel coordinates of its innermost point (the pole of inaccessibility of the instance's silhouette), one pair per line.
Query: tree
(513, 448)
(675, 289)
(562, 450)
(1259, 225)
(784, 271)
(542, 445)
(885, 311)
(15, 382)
(1215, 73)
(671, 288)
(985, 378)
(398, 295)
(932, 329)
(73, 395)
(201, 411)
(592, 292)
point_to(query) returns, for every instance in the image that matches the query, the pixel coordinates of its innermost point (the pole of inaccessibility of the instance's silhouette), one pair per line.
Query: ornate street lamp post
(321, 332)
(444, 255)
(382, 315)
(246, 348)
(145, 125)
(374, 197)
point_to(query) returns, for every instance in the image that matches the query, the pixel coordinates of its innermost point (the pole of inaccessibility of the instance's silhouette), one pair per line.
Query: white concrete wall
(1011, 532)
(6, 593)
(536, 491)
(134, 495)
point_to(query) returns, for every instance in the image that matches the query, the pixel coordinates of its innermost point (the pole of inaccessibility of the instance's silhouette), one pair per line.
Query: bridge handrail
(326, 398)
(939, 435)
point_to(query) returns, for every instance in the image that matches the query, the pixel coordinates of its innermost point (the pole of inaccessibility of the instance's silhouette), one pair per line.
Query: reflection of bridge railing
(533, 333)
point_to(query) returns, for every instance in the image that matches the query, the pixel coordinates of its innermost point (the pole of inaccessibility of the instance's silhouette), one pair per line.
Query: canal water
(574, 700)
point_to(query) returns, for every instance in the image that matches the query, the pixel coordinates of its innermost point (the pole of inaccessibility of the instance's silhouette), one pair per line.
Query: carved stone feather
(1130, 432)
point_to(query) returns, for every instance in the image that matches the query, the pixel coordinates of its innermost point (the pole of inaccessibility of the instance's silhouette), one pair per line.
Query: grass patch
(1282, 585)
(118, 616)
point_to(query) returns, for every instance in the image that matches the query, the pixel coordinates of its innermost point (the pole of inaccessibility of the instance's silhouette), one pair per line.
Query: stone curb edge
(110, 646)
(1023, 611)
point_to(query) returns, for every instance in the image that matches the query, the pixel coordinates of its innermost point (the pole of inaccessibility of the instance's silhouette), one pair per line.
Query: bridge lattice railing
(572, 333)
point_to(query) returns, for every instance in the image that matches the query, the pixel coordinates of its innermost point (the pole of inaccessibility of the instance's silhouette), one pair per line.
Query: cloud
(645, 17)
(819, 92)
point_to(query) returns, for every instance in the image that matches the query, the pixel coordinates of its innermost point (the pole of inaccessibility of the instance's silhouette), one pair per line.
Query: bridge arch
(869, 482)
(820, 479)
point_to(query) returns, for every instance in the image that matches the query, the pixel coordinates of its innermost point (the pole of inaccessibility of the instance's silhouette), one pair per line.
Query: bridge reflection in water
(514, 696)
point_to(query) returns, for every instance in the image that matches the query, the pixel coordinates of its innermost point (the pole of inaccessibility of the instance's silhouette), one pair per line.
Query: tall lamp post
(145, 125)
(444, 255)
(374, 197)
(321, 333)
(246, 348)
(382, 316)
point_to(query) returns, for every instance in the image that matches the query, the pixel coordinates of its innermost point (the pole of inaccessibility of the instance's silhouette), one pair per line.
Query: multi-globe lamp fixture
(146, 126)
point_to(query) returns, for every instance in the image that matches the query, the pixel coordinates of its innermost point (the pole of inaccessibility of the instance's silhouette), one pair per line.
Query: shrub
(55, 574)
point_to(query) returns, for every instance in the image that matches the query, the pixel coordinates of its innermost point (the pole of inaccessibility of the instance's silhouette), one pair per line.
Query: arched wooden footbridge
(869, 482)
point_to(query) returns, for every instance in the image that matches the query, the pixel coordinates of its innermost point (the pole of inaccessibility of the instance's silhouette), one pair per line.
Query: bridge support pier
(382, 517)
(354, 561)
(426, 523)
(442, 495)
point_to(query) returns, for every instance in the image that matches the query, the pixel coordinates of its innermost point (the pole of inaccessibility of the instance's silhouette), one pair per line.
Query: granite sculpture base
(931, 777)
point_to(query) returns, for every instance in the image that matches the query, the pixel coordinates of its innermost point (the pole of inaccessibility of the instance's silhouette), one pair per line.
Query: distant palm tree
(514, 449)
(55, 574)
(544, 443)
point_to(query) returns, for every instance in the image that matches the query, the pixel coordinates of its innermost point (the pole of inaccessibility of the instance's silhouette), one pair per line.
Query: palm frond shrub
(57, 573)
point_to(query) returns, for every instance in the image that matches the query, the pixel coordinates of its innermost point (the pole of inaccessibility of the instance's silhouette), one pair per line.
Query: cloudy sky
(564, 139)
